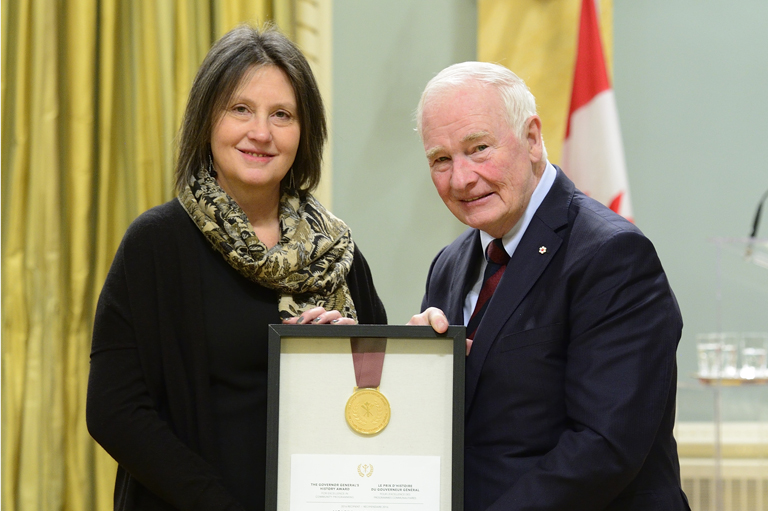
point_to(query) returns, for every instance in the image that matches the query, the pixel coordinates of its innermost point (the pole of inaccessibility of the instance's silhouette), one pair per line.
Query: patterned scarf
(308, 267)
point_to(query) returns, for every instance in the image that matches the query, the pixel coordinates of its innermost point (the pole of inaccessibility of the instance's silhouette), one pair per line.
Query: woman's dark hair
(228, 62)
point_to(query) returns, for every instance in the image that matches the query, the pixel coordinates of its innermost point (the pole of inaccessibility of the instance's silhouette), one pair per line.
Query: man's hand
(318, 316)
(435, 318)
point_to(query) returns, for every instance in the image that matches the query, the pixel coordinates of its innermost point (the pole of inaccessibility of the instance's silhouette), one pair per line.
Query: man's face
(483, 172)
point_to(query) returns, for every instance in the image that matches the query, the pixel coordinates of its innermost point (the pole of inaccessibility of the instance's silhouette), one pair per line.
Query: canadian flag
(593, 154)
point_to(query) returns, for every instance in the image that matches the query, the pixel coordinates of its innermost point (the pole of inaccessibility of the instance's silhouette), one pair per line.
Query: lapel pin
(542, 250)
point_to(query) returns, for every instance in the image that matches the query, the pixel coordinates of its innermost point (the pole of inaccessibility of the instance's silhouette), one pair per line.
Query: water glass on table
(718, 354)
(754, 359)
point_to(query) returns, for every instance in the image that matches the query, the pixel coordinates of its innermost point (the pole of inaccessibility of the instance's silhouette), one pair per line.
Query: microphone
(755, 223)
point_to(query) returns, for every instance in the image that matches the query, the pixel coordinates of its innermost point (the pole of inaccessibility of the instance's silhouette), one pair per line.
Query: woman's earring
(211, 170)
(293, 185)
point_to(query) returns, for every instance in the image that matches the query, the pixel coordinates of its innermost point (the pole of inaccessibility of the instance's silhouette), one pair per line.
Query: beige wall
(384, 54)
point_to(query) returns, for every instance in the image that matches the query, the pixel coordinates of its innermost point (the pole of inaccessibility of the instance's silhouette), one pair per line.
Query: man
(571, 373)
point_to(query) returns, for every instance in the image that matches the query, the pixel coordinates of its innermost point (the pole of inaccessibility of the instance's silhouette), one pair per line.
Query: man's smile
(473, 199)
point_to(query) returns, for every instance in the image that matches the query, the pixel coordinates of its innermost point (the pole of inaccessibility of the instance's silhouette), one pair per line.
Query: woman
(177, 390)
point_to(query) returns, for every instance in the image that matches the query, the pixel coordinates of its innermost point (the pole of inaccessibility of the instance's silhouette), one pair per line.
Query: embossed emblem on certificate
(367, 411)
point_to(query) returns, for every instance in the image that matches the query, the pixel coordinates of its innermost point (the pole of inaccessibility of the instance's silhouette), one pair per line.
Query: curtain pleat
(78, 150)
(92, 97)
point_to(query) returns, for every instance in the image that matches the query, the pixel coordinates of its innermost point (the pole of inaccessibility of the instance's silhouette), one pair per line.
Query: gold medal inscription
(367, 411)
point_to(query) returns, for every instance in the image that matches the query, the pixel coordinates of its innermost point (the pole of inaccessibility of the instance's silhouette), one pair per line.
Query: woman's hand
(319, 316)
(435, 318)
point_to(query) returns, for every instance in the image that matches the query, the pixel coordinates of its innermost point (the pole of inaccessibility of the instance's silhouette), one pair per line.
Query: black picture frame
(332, 336)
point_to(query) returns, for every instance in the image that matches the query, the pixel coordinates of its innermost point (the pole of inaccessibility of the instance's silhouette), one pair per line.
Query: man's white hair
(520, 103)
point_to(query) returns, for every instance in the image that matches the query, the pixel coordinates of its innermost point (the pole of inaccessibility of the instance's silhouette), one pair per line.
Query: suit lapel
(464, 277)
(537, 248)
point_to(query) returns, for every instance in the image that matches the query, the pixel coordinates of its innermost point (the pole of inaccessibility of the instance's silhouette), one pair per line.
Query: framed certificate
(365, 417)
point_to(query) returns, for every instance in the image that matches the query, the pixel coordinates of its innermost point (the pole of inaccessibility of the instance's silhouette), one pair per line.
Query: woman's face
(255, 141)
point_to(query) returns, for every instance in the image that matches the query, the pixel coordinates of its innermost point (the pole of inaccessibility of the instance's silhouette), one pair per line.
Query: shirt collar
(512, 238)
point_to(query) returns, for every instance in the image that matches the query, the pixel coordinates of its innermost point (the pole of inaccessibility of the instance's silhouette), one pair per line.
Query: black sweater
(162, 393)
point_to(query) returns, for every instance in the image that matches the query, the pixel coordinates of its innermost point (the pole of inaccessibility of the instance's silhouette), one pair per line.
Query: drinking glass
(717, 354)
(754, 346)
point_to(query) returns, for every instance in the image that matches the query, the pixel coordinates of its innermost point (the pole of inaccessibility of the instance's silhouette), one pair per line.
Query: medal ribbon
(368, 359)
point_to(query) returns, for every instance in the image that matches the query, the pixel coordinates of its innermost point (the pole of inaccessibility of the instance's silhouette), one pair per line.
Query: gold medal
(367, 411)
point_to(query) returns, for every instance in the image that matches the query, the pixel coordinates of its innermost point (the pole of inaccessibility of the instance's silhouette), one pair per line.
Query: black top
(177, 389)
(237, 312)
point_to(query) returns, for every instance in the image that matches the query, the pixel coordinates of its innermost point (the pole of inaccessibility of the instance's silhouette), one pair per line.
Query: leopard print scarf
(309, 265)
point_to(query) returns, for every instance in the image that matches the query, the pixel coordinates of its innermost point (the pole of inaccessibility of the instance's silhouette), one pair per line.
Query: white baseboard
(737, 440)
(743, 466)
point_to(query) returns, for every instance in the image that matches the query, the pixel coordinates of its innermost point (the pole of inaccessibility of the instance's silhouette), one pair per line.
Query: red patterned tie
(497, 259)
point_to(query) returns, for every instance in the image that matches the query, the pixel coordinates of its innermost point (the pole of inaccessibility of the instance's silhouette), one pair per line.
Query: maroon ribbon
(368, 358)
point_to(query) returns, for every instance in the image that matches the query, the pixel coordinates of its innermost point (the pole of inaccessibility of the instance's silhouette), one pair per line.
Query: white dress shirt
(512, 238)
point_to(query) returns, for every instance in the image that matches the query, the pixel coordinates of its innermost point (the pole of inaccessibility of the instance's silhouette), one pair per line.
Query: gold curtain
(537, 41)
(92, 96)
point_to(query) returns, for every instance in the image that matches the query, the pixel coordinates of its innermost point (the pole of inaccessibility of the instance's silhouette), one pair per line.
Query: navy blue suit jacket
(570, 383)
